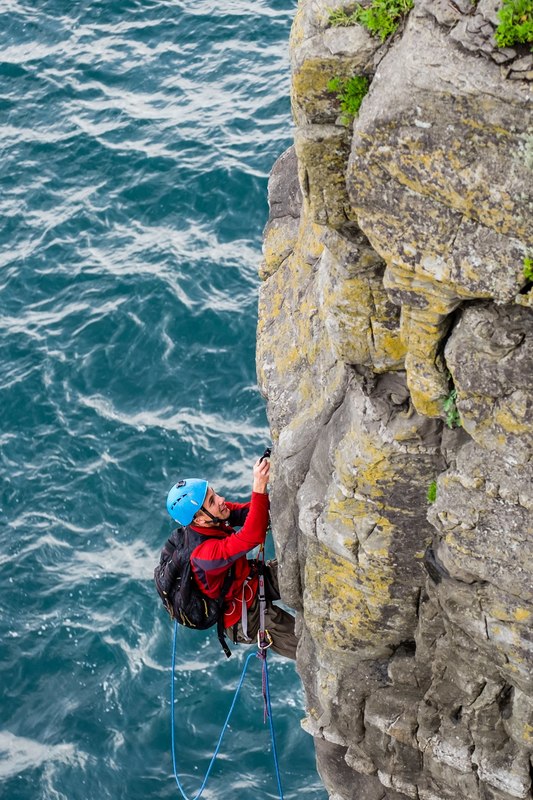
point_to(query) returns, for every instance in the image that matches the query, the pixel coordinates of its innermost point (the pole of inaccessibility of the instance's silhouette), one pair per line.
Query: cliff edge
(395, 350)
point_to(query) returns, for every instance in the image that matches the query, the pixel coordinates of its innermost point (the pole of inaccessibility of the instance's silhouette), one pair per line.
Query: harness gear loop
(244, 612)
(264, 640)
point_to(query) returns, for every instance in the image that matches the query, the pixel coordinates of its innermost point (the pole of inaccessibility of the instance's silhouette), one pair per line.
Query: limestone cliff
(395, 350)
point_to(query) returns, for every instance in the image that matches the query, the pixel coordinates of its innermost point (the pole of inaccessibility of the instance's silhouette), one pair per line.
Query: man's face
(216, 505)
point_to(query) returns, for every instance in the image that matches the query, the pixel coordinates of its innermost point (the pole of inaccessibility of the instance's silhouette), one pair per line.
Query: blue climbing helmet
(185, 499)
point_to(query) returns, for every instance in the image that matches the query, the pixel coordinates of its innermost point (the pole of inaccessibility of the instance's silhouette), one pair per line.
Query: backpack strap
(228, 580)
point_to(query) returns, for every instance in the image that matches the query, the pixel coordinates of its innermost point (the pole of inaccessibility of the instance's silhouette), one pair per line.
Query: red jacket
(211, 560)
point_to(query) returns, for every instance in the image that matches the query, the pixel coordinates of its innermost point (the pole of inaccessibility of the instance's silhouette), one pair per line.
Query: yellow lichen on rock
(278, 243)
(348, 602)
(312, 101)
(362, 323)
(452, 171)
(289, 345)
(323, 152)
(370, 530)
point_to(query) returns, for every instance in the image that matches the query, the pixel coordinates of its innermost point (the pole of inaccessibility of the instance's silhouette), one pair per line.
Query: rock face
(395, 350)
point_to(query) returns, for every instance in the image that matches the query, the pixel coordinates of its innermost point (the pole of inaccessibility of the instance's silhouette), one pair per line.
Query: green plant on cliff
(350, 93)
(381, 18)
(528, 268)
(453, 419)
(342, 17)
(516, 23)
(432, 492)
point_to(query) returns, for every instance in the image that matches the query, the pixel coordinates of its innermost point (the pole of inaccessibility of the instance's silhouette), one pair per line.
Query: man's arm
(216, 555)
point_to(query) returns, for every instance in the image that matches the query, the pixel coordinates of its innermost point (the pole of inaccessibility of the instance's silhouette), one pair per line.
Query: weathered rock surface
(394, 304)
(437, 181)
(490, 358)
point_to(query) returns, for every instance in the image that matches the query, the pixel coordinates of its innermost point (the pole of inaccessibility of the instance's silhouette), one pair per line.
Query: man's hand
(261, 475)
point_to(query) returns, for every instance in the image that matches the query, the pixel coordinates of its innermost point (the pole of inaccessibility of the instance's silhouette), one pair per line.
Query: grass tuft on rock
(381, 18)
(453, 418)
(350, 93)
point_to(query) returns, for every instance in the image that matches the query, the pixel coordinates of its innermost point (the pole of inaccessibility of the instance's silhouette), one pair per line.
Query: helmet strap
(216, 520)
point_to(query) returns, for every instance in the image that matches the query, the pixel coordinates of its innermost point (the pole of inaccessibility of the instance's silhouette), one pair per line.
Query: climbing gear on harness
(264, 639)
(244, 609)
(180, 593)
(185, 498)
(268, 711)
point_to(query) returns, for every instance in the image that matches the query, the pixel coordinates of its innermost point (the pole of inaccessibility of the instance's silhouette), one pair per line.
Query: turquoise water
(136, 139)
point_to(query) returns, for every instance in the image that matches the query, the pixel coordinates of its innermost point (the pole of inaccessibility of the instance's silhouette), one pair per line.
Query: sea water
(136, 140)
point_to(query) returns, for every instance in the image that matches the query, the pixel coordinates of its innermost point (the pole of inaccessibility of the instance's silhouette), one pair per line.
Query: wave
(18, 754)
(191, 421)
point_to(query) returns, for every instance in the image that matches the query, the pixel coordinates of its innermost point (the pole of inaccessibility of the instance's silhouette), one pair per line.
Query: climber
(195, 504)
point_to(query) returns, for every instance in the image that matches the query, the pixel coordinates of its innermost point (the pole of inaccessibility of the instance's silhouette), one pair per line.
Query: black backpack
(177, 588)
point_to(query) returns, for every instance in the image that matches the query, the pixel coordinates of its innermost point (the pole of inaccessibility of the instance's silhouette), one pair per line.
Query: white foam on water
(18, 754)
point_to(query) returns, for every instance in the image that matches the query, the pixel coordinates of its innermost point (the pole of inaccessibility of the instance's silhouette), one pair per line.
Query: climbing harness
(264, 641)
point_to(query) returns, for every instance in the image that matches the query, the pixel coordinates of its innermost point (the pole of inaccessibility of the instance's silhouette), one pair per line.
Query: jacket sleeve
(216, 555)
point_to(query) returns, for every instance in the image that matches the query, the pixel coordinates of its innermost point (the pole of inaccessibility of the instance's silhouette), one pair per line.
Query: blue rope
(224, 727)
(271, 724)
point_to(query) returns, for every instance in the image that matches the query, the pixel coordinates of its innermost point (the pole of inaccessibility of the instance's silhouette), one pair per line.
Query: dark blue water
(136, 139)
